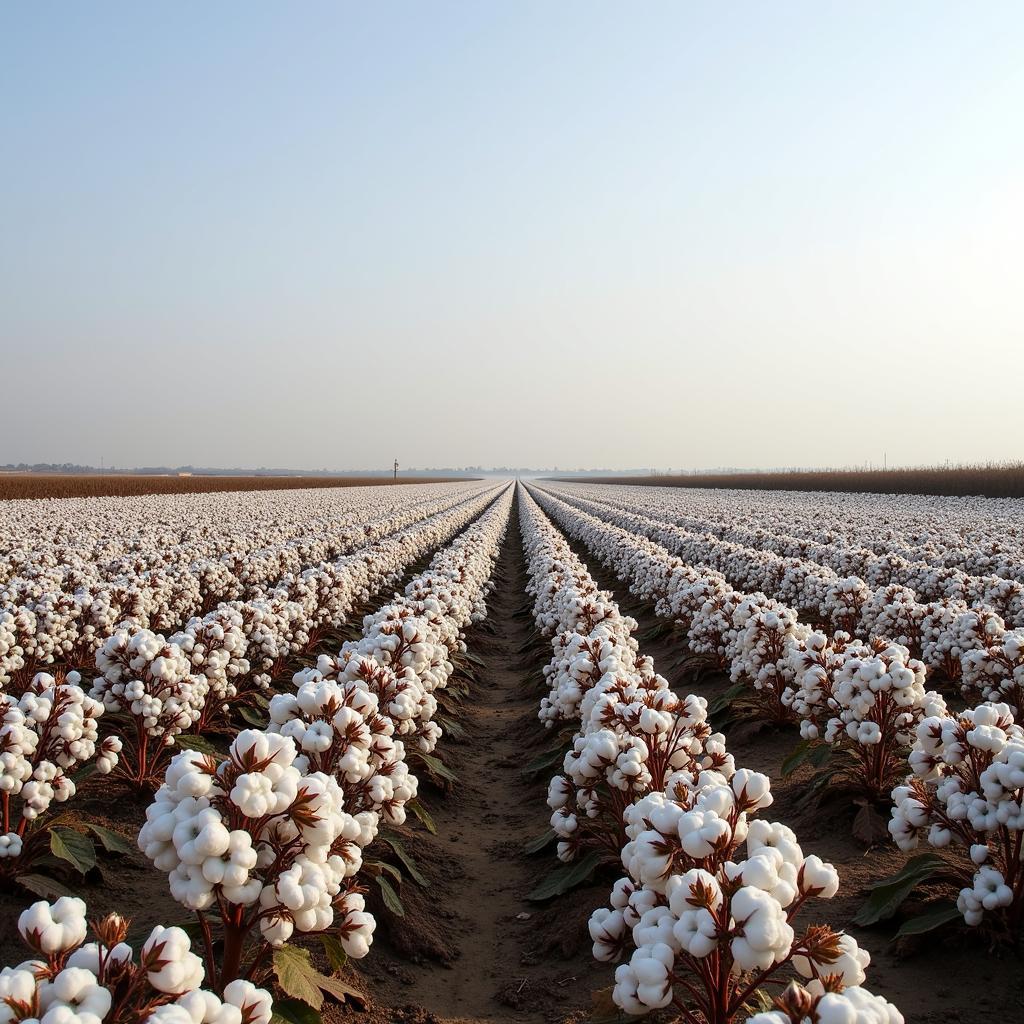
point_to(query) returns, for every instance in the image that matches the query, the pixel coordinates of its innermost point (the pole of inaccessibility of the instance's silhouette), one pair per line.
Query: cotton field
(501, 750)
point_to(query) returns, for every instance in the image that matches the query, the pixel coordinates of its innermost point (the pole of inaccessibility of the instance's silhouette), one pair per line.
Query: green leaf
(200, 743)
(546, 760)
(923, 863)
(567, 877)
(294, 1011)
(438, 767)
(339, 990)
(796, 758)
(334, 951)
(297, 976)
(391, 899)
(112, 842)
(887, 894)
(73, 847)
(417, 808)
(43, 886)
(821, 755)
(407, 862)
(383, 867)
(538, 844)
(662, 629)
(86, 772)
(253, 717)
(451, 727)
(470, 656)
(940, 914)
(723, 700)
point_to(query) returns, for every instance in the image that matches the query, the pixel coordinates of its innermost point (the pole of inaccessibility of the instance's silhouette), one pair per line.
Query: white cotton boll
(625, 991)
(607, 927)
(655, 926)
(772, 1017)
(766, 935)
(752, 788)
(697, 932)
(182, 970)
(10, 845)
(650, 966)
(850, 964)
(53, 928)
(255, 1002)
(87, 956)
(868, 733)
(78, 997)
(819, 877)
(695, 888)
(700, 832)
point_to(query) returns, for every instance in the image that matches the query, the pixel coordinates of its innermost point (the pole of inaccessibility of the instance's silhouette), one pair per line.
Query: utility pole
(396, 471)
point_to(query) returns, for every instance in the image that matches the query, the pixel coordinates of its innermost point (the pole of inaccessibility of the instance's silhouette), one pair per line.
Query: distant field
(58, 485)
(991, 481)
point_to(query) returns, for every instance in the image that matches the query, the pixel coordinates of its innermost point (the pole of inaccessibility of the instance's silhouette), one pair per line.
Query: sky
(594, 234)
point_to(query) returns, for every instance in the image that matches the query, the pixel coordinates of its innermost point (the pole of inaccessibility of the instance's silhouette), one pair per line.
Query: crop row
(953, 778)
(705, 916)
(265, 842)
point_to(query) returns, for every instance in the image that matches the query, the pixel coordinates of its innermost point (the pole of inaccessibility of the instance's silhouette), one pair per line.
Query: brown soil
(94, 485)
(472, 948)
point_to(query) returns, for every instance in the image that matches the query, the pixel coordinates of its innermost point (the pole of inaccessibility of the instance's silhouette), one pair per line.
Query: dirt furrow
(472, 948)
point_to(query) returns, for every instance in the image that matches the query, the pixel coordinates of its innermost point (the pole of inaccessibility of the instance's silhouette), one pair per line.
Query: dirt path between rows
(495, 956)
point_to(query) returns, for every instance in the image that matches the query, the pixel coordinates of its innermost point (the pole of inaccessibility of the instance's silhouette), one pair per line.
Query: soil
(471, 947)
(95, 485)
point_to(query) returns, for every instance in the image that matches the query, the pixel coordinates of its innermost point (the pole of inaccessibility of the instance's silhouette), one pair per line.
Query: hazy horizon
(527, 235)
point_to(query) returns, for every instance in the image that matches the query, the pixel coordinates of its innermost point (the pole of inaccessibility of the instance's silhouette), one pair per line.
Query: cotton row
(689, 896)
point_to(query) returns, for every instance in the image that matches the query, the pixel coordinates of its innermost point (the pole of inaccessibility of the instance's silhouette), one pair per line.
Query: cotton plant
(894, 612)
(707, 910)
(712, 629)
(260, 848)
(843, 602)
(337, 725)
(966, 791)
(637, 734)
(69, 980)
(46, 735)
(828, 1001)
(766, 633)
(864, 700)
(579, 661)
(148, 685)
(12, 654)
(216, 648)
(994, 671)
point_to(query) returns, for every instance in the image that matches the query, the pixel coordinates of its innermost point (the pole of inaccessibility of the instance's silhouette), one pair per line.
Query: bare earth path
(503, 959)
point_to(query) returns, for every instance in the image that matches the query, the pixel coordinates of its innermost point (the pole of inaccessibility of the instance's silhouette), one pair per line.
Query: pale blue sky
(581, 234)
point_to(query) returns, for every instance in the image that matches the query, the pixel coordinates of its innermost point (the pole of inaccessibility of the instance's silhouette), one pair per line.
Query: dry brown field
(60, 485)
(994, 480)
